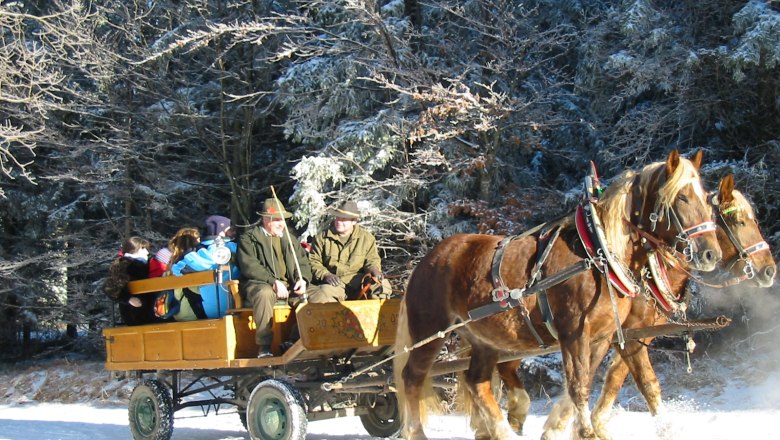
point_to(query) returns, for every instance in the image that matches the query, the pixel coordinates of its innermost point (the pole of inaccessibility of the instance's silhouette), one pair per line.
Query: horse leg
(518, 401)
(489, 423)
(559, 417)
(579, 381)
(638, 360)
(417, 388)
(613, 381)
(563, 410)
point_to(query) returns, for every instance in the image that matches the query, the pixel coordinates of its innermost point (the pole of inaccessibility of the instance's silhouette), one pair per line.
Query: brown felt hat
(347, 209)
(273, 208)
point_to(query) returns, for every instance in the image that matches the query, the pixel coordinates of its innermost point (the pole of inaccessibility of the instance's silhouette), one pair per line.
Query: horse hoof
(516, 427)
(586, 433)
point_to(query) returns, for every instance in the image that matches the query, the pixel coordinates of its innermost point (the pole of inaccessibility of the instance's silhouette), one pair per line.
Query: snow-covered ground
(723, 402)
(733, 392)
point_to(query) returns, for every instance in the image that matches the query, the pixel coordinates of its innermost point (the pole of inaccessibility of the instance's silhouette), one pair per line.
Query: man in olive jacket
(344, 256)
(267, 261)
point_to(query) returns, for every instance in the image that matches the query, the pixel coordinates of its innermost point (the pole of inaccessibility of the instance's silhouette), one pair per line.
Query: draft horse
(746, 257)
(457, 277)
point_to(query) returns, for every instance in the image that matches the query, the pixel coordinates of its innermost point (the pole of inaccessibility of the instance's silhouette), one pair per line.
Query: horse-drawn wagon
(212, 363)
(336, 369)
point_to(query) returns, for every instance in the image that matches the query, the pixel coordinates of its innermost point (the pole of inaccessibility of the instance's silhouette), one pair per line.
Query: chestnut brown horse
(665, 199)
(746, 258)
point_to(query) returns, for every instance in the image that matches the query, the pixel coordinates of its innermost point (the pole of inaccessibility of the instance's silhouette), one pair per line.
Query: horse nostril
(709, 257)
(769, 272)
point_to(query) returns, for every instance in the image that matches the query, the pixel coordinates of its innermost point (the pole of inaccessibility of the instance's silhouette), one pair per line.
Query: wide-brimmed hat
(347, 209)
(272, 207)
(216, 224)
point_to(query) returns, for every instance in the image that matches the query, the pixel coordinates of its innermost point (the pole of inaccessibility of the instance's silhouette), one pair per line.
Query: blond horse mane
(739, 208)
(614, 205)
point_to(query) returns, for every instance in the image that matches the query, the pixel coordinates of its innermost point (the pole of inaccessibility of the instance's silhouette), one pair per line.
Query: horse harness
(591, 234)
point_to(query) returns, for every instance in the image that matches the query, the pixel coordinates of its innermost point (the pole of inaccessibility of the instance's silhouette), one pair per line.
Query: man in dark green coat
(345, 256)
(267, 257)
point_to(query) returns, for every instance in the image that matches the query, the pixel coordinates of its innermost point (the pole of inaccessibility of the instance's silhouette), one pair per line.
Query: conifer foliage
(137, 118)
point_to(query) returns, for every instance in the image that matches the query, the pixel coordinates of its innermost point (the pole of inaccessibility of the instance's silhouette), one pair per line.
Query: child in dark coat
(131, 264)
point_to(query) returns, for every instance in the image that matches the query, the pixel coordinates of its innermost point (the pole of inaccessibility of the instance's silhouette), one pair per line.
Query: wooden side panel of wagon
(349, 324)
(228, 342)
(207, 343)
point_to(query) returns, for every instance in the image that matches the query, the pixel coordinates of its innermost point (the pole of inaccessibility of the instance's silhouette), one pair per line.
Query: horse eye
(683, 198)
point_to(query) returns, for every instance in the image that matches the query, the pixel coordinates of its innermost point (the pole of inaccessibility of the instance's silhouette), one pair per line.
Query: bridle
(684, 235)
(744, 254)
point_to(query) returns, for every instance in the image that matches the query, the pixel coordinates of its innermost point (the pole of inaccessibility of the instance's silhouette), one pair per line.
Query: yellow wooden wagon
(212, 363)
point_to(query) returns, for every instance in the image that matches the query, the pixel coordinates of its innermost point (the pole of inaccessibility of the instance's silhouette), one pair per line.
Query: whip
(289, 240)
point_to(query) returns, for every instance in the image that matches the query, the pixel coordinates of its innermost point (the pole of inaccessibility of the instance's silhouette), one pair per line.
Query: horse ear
(672, 162)
(697, 159)
(725, 190)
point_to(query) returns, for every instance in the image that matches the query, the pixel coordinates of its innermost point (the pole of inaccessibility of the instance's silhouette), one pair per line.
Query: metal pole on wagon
(289, 241)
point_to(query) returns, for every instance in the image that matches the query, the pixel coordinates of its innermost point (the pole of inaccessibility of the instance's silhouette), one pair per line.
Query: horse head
(675, 207)
(746, 255)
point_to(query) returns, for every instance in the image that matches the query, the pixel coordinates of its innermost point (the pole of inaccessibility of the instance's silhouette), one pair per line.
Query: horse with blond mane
(590, 255)
(746, 258)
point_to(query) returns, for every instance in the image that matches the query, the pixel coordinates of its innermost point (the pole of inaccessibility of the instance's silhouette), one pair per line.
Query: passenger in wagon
(345, 259)
(268, 258)
(216, 249)
(162, 258)
(211, 252)
(131, 264)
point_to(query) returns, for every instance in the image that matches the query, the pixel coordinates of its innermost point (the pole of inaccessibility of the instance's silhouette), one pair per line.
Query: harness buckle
(688, 252)
(653, 217)
(499, 294)
(749, 270)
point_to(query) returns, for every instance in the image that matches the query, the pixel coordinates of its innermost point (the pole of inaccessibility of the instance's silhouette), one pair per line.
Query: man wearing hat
(344, 258)
(268, 257)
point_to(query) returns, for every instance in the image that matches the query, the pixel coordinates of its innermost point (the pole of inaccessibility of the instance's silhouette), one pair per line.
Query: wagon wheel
(244, 388)
(276, 411)
(382, 419)
(151, 411)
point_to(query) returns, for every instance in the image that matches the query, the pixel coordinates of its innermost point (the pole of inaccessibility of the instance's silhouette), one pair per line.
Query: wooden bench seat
(194, 279)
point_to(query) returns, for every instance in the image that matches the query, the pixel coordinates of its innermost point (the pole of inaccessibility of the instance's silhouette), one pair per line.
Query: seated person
(219, 235)
(345, 257)
(217, 248)
(162, 258)
(269, 259)
(131, 264)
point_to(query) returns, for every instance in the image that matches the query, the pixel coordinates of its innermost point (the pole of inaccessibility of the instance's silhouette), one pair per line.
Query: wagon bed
(212, 363)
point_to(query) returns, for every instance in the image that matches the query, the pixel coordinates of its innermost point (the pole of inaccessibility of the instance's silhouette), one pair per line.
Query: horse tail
(428, 399)
(402, 340)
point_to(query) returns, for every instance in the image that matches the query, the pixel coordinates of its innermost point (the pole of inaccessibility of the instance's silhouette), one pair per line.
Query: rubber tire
(242, 417)
(276, 411)
(383, 419)
(150, 411)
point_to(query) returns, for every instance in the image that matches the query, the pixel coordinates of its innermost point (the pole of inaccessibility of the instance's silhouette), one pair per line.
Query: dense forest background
(123, 117)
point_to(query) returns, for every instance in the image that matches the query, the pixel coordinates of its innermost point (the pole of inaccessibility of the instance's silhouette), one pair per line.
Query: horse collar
(657, 284)
(593, 240)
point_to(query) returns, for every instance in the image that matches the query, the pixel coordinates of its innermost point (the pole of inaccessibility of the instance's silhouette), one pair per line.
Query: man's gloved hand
(375, 272)
(331, 279)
